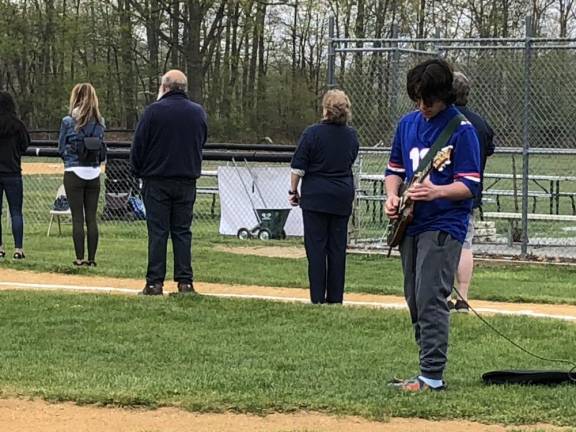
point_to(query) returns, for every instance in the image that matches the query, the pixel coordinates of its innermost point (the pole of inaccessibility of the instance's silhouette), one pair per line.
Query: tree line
(258, 66)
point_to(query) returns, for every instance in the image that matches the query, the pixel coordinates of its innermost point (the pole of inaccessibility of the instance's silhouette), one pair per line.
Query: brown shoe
(151, 289)
(185, 288)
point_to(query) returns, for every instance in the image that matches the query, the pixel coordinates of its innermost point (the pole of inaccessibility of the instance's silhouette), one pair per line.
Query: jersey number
(416, 155)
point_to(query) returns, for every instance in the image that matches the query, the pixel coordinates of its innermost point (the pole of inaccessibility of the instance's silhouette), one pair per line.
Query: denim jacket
(69, 138)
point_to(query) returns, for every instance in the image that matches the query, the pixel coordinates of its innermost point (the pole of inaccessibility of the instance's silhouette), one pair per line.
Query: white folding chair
(58, 213)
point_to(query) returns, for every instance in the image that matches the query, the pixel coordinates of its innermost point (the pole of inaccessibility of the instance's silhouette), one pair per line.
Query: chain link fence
(120, 210)
(524, 88)
(231, 195)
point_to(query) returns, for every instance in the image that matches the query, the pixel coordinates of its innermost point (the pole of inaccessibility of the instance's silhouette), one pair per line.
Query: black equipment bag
(544, 377)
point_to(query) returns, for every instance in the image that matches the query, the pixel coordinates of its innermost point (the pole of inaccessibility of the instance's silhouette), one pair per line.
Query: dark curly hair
(7, 105)
(430, 81)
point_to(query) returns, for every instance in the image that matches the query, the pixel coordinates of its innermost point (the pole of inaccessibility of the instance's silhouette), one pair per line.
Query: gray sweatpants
(430, 261)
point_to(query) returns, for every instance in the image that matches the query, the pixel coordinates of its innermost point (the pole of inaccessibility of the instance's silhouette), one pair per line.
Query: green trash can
(272, 223)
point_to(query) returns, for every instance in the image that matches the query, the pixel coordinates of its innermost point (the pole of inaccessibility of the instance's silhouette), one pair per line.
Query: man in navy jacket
(167, 155)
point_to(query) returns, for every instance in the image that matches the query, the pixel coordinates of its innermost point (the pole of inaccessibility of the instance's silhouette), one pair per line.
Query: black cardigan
(14, 140)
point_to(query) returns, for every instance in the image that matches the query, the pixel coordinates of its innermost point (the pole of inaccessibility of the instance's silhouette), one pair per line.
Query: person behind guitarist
(430, 250)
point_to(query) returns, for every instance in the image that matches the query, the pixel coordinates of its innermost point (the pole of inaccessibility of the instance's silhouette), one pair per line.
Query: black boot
(185, 288)
(152, 289)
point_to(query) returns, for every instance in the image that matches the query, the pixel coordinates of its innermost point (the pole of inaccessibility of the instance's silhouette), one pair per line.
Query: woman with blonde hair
(81, 146)
(323, 162)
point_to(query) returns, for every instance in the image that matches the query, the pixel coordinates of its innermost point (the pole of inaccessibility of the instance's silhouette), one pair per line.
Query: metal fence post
(331, 78)
(437, 34)
(526, 134)
(394, 88)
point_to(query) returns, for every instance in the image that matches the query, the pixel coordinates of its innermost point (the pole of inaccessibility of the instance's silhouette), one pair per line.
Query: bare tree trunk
(175, 35)
(194, 68)
(359, 33)
(152, 30)
(128, 81)
(261, 83)
(246, 60)
(421, 19)
(236, 47)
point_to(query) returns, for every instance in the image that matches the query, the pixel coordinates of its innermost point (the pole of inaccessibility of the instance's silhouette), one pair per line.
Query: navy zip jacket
(326, 153)
(169, 138)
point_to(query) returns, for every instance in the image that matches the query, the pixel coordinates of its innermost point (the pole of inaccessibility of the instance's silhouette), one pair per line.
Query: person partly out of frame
(487, 147)
(14, 140)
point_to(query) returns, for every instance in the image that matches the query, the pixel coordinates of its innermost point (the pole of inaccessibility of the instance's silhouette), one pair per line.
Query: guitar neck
(424, 173)
(418, 178)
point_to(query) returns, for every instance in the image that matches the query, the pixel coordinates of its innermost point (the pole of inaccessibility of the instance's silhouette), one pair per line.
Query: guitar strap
(441, 141)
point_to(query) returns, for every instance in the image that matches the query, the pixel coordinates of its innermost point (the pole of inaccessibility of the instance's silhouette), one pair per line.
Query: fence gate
(525, 88)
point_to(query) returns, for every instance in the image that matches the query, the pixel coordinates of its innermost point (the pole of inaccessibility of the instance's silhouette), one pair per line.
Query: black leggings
(83, 199)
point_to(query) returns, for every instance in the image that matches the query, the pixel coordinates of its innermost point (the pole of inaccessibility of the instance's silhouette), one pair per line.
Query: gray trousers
(430, 261)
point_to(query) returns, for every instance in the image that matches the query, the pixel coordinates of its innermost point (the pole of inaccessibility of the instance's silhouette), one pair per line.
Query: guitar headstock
(442, 158)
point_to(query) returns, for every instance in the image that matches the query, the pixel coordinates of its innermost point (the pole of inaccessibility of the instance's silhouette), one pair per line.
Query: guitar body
(397, 227)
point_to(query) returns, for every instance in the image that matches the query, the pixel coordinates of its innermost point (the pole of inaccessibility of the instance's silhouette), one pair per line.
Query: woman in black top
(14, 141)
(323, 161)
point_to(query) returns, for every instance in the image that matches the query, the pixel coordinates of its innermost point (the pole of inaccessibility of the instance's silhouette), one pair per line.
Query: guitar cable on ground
(571, 374)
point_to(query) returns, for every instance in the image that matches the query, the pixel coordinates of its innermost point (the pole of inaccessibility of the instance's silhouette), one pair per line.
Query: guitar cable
(571, 372)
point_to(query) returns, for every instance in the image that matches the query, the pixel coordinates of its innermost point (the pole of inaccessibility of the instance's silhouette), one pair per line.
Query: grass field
(208, 354)
(125, 256)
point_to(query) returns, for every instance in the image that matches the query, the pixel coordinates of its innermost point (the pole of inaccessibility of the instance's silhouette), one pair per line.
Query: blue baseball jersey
(413, 139)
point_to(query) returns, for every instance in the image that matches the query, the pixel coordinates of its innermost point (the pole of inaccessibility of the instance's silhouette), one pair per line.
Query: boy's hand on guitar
(391, 206)
(425, 191)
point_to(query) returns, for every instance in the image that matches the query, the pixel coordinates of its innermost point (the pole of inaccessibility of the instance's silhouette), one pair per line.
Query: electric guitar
(397, 227)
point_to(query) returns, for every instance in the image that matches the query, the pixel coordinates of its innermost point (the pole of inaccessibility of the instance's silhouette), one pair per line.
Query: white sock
(434, 383)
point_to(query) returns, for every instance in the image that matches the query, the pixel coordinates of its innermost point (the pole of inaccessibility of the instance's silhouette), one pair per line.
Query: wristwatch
(291, 192)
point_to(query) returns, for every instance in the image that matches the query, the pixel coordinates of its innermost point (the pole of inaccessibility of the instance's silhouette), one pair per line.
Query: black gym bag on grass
(533, 377)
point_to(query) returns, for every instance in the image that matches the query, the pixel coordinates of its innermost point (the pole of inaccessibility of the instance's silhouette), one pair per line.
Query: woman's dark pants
(83, 199)
(12, 187)
(325, 238)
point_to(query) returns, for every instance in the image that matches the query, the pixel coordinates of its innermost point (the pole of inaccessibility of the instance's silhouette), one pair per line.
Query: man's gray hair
(175, 84)
(461, 88)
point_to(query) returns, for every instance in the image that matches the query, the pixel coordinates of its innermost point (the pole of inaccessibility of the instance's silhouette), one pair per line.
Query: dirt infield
(265, 251)
(14, 279)
(38, 416)
(34, 168)
(44, 168)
